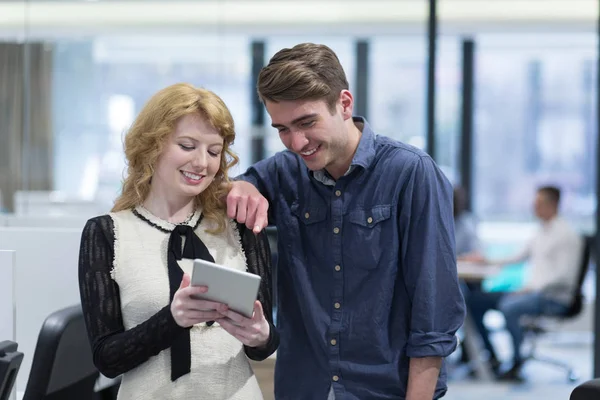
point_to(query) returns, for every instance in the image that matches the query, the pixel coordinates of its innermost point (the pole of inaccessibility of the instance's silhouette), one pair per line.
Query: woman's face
(190, 159)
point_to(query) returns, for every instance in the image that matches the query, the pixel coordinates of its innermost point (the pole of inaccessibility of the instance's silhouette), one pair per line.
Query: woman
(143, 318)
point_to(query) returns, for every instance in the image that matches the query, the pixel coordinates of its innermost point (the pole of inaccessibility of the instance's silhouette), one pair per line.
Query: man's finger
(262, 217)
(251, 211)
(242, 205)
(232, 203)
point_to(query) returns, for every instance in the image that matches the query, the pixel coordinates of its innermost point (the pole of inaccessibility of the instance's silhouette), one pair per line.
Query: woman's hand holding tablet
(188, 309)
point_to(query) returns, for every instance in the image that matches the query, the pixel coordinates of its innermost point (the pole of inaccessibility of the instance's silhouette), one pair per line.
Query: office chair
(10, 362)
(271, 232)
(537, 326)
(62, 367)
(589, 390)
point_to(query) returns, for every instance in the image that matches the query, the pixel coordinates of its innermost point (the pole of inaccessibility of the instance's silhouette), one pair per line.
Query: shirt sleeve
(258, 258)
(264, 176)
(115, 350)
(566, 266)
(428, 262)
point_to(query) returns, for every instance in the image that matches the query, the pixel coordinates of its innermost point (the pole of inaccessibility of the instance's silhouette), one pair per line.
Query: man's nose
(299, 141)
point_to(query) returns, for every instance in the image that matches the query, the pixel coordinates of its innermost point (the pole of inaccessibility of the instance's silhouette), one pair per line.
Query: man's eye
(307, 124)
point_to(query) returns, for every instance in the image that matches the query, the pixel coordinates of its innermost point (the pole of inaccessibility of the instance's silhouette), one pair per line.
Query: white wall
(7, 295)
(35, 221)
(46, 280)
(7, 299)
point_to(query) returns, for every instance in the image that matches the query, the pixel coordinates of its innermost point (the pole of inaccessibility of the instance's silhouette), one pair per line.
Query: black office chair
(537, 326)
(10, 362)
(271, 232)
(62, 367)
(272, 236)
(589, 390)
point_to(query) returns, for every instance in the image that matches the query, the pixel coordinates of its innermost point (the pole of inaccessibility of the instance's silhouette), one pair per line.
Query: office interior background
(74, 74)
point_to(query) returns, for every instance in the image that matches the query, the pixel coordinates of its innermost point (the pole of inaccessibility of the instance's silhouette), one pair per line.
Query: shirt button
(333, 342)
(307, 215)
(336, 230)
(338, 268)
(338, 193)
(369, 220)
(336, 378)
(337, 305)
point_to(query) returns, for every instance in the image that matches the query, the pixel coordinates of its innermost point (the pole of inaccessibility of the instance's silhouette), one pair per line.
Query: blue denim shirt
(366, 274)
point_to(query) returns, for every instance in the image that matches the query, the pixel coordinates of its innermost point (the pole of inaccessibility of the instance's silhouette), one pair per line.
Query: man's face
(311, 130)
(543, 207)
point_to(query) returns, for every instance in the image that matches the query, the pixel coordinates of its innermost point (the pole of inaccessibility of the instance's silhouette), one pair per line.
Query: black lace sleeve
(258, 257)
(115, 350)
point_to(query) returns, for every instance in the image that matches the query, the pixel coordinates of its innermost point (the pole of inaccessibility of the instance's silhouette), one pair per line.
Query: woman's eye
(186, 148)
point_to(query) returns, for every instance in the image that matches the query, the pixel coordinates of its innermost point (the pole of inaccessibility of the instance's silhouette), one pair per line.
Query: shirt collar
(365, 153)
(551, 222)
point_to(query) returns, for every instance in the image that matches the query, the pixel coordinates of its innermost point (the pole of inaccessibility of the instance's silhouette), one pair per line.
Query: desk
(472, 272)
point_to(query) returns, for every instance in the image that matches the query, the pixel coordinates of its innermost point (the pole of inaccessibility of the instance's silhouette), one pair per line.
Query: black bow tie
(193, 248)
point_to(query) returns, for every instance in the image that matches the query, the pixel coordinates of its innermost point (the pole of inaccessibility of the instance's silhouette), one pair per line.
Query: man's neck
(549, 219)
(354, 135)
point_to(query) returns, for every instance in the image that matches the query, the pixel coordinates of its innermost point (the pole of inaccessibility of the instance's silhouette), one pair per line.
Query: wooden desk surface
(476, 272)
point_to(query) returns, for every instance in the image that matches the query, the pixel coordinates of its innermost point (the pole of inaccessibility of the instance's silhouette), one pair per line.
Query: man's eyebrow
(295, 121)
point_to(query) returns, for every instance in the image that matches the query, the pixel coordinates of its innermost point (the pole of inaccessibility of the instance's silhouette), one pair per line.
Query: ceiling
(355, 17)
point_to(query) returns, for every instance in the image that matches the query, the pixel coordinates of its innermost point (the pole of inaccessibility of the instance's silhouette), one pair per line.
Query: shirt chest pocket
(369, 233)
(306, 230)
(308, 215)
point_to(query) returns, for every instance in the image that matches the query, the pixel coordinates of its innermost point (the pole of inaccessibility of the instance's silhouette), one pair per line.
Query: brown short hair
(552, 193)
(152, 128)
(307, 71)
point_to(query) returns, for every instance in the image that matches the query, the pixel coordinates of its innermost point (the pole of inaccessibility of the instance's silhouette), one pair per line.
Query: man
(368, 296)
(550, 286)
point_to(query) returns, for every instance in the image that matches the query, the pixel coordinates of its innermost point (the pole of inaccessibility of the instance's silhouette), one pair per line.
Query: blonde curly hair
(152, 128)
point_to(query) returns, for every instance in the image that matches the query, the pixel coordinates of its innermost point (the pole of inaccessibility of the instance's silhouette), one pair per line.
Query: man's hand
(473, 258)
(247, 206)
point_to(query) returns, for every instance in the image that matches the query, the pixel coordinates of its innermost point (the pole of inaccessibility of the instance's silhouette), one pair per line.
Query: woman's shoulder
(107, 221)
(103, 222)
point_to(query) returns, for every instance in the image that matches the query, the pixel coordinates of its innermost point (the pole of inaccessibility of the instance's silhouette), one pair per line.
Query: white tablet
(225, 285)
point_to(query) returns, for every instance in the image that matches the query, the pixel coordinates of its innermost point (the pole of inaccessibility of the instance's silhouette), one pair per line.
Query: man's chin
(314, 165)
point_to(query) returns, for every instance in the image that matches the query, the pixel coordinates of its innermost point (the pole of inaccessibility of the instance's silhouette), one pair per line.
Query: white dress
(219, 366)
